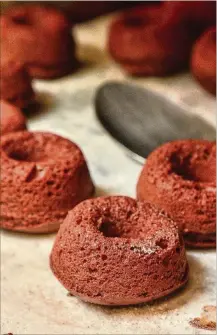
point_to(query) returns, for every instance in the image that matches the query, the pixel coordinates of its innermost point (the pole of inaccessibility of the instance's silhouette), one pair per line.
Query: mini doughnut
(180, 178)
(203, 60)
(15, 84)
(43, 176)
(12, 119)
(145, 43)
(117, 251)
(43, 40)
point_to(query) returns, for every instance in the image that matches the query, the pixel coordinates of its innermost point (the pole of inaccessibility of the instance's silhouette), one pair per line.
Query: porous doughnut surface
(180, 178)
(11, 118)
(43, 176)
(40, 37)
(117, 251)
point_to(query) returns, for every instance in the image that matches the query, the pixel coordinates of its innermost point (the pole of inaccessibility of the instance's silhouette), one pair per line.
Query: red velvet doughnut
(43, 176)
(12, 119)
(116, 251)
(203, 60)
(180, 178)
(40, 37)
(15, 84)
(146, 43)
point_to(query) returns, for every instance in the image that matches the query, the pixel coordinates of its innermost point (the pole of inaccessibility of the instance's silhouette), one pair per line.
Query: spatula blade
(142, 120)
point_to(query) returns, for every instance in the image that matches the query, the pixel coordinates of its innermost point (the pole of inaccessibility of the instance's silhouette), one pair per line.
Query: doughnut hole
(196, 167)
(19, 155)
(162, 243)
(36, 148)
(25, 154)
(141, 19)
(130, 225)
(110, 229)
(20, 20)
(132, 21)
(20, 17)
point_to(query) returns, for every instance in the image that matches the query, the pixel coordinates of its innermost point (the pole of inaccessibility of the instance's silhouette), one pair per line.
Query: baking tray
(32, 300)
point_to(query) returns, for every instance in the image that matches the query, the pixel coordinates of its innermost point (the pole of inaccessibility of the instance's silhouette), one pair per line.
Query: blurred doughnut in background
(154, 38)
(158, 39)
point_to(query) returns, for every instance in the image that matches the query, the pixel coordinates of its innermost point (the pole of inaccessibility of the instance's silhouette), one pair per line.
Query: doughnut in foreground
(117, 251)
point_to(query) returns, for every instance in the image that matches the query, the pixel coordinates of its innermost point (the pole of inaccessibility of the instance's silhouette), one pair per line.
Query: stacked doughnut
(42, 175)
(157, 40)
(36, 42)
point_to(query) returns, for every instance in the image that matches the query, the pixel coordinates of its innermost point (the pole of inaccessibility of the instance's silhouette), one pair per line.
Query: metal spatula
(142, 120)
